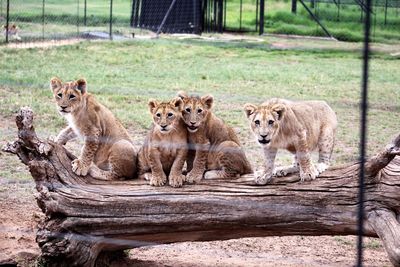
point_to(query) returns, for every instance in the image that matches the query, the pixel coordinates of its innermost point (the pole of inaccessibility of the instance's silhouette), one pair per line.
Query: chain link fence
(33, 20)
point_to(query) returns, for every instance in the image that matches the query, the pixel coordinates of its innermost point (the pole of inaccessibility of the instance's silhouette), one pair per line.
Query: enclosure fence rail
(363, 132)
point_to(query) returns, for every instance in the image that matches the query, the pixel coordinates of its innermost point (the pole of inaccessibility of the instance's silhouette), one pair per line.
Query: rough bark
(86, 217)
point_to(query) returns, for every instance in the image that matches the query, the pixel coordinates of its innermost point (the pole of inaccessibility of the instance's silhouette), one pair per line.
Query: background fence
(32, 20)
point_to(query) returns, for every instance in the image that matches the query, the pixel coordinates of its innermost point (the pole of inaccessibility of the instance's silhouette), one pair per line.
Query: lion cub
(299, 127)
(107, 143)
(164, 151)
(216, 148)
(12, 31)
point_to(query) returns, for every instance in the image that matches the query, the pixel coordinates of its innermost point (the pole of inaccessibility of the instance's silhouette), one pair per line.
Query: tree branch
(85, 216)
(387, 227)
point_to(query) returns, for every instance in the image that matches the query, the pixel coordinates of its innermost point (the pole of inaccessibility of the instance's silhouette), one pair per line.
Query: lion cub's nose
(263, 136)
(193, 123)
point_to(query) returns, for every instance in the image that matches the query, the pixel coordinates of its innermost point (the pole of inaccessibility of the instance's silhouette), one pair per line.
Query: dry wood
(85, 217)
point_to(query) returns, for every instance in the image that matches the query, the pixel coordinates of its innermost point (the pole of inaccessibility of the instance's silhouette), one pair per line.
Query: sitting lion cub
(107, 143)
(217, 149)
(299, 127)
(164, 151)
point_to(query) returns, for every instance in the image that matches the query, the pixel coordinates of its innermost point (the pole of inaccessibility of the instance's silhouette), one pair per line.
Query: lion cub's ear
(152, 104)
(208, 101)
(55, 83)
(177, 103)
(81, 86)
(249, 109)
(182, 94)
(280, 110)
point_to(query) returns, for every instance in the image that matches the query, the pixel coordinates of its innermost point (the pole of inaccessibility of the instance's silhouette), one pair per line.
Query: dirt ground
(19, 216)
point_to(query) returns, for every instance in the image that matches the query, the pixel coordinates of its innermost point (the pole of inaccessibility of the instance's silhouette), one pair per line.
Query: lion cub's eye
(59, 95)
(257, 122)
(187, 110)
(71, 97)
(270, 122)
(170, 114)
(158, 115)
(199, 110)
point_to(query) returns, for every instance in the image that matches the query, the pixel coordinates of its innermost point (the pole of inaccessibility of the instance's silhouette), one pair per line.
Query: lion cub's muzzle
(164, 129)
(263, 140)
(63, 110)
(192, 128)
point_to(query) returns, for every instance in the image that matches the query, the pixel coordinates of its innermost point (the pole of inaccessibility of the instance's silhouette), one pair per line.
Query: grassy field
(347, 26)
(124, 75)
(61, 18)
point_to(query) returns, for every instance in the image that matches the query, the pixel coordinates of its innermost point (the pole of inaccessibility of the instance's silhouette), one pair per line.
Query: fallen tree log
(85, 217)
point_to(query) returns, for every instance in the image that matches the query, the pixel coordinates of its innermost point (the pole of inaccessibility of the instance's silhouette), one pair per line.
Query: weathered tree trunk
(85, 216)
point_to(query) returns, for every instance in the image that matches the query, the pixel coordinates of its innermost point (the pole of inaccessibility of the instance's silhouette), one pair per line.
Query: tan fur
(215, 150)
(299, 127)
(12, 31)
(107, 143)
(165, 149)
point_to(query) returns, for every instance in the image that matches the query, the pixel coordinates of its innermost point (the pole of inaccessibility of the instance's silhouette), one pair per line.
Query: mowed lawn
(124, 75)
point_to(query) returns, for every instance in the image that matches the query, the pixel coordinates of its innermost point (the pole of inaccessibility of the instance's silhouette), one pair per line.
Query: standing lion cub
(107, 143)
(299, 127)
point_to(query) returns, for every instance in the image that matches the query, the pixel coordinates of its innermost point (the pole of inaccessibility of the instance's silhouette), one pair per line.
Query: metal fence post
(43, 3)
(77, 18)
(220, 15)
(225, 14)
(7, 19)
(84, 12)
(111, 19)
(363, 132)
(386, 6)
(132, 13)
(261, 29)
(294, 6)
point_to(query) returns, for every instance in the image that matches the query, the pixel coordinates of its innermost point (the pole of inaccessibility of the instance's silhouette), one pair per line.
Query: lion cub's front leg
(199, 164)
(269, 157)
(176, 178)
(307, 168)
(81, 165)
(158, 177)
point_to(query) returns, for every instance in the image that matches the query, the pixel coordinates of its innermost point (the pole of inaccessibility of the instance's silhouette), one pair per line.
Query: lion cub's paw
(156, 180)
(193, 177)
(79, 167)
(176, 180)
(284, 171)
(310, 174)
(263, 179)
(45, 148)
(281, 171)
(321, 167)
(147, 176)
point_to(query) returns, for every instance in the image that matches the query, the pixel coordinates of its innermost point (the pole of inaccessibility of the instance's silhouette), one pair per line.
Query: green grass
(124, 75)
(346, 27)
(61, 19)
